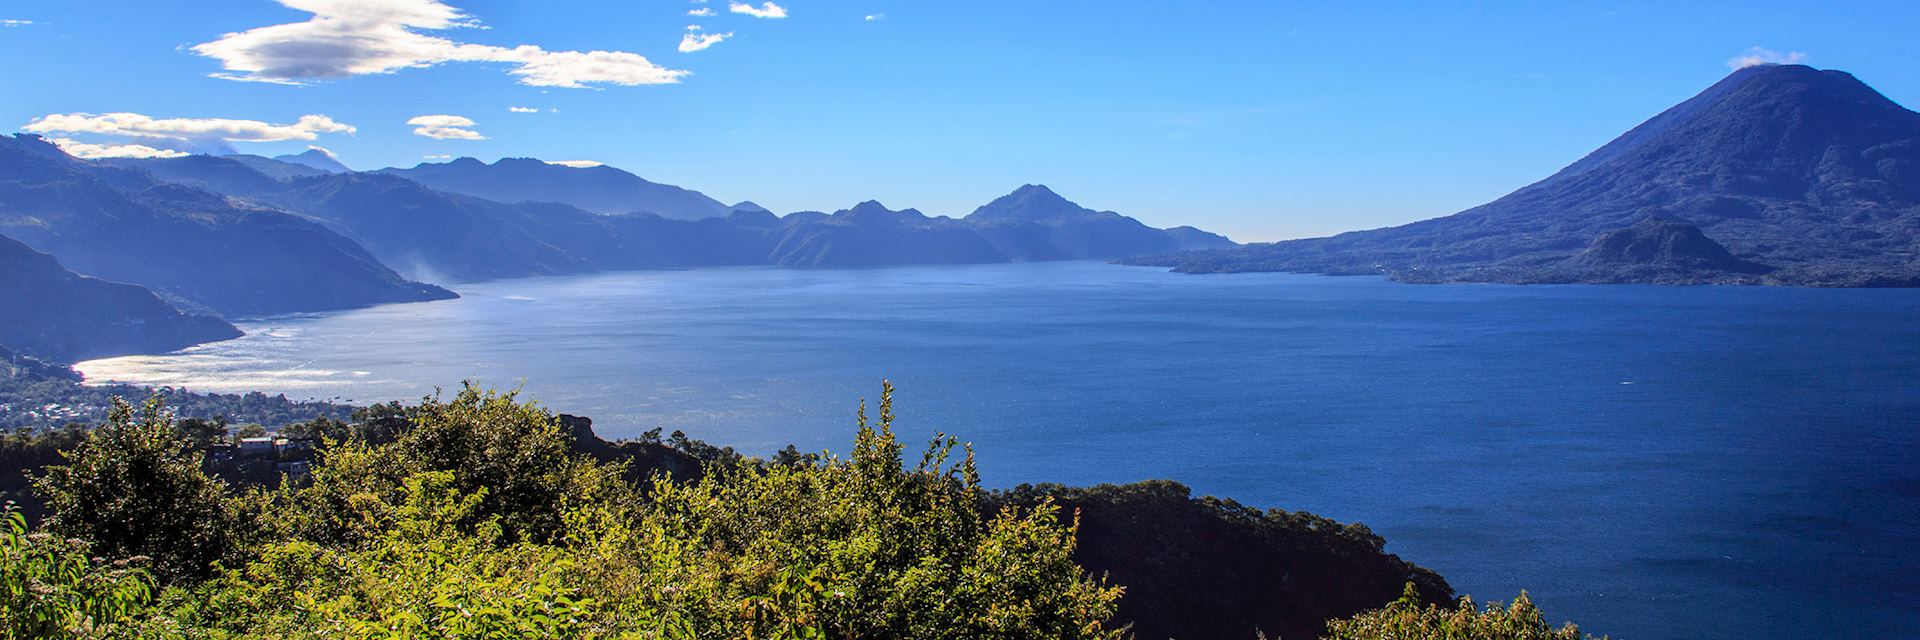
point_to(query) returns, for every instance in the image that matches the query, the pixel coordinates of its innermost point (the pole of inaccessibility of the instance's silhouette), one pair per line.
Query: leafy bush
(1409, 618)
(135, 486)
(51, 588)
(406, 539)
(480, 516)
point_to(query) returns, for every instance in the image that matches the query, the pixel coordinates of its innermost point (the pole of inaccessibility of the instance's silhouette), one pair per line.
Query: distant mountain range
(1775, 175)
(196, 249)
(599, 189)
(317, 159)
(246, 235)
(272, 167)
(450, 237)
(61, 316)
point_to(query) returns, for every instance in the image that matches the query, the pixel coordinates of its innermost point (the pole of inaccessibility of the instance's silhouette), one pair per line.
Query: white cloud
(196, 130)
(766, 9)
(80, 149)
(345, 38)
(577, 164)
(437, 156)
(876, 17)
(445, 127)
(692, 41)
(523, 109)
(1756, 56)
(324, 151)
(702, 12)
(15, 23)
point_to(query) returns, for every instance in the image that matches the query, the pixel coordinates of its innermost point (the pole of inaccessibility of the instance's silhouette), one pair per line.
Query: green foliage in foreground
(135, 486)
(1409, 619)
(477, 521)
(481, 516)
(51, 588)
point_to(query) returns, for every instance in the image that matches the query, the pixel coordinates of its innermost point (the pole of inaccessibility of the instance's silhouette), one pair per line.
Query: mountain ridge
(1811, 173)
(600, 189)
(60, 316)
(435, 234)
(199, 250)
(316, 158)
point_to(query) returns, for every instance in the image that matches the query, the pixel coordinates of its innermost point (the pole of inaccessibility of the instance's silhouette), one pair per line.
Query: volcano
(1805, 177)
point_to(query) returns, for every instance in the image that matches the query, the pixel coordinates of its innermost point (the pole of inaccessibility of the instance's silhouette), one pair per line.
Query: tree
(202, 431)
(135, 486)
(382, 423)
(322, 429)
(516, 452)
(1409, 618)
(863, 547)
(869, 547)
(50, 588)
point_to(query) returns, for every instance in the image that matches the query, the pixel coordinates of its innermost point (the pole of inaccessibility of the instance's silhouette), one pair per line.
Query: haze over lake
(1652, 462)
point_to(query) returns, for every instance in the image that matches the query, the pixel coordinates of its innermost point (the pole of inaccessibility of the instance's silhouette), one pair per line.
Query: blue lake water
(1652, 462)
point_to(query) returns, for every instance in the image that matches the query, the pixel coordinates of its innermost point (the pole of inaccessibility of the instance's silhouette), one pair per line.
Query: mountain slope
(1809, 174)
(274, 167)
(446, 236)
(1034, 223)
(315, 158)
(190, 246)
(429, 233)
(600, 189)
(61, 316)
(230, 175)
(869, 234)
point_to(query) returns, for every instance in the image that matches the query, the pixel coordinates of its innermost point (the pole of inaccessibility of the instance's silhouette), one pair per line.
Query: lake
(1652, 462)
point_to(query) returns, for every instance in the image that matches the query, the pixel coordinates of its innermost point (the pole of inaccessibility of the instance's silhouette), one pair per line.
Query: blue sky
(1262, 120)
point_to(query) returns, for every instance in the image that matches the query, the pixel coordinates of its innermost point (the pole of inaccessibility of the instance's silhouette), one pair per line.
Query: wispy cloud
(696, 41)
(206, 132)
(15, 23)
(1756, 56)
(523, 109)
(876, 17)
(89, 150)
(437, 156)
(346, 38)
(766, 9)
(445, 127)
(577, 164)
(702, 12)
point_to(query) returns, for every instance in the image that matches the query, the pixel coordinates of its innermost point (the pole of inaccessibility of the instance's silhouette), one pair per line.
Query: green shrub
(51, 588)
(135, 486)
(477, 523)
(1409, 619)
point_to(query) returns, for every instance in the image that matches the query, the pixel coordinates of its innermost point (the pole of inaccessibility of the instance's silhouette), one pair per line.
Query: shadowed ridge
(62, 317)
(600, 189)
